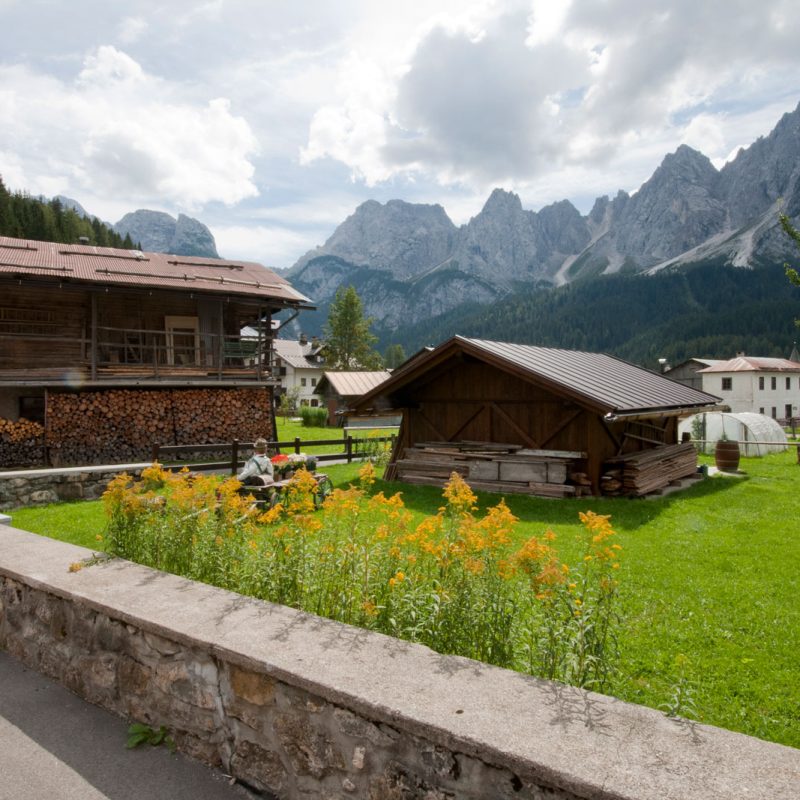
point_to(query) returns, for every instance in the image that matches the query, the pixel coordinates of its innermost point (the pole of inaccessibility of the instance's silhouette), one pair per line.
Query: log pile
(492, 467)
(648, 471)
(21, 443)
(121, 425)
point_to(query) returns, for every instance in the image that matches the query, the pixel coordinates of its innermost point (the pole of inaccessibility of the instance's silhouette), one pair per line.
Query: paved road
(55, 746)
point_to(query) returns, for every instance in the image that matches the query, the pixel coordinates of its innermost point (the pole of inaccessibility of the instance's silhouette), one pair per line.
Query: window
(727, 384)
(302, 381)
(787, 411)
(774, 413)
(788, 383)
(314, 382)
(761, 383)
(314, 403)
(773, 383)
(761, 410)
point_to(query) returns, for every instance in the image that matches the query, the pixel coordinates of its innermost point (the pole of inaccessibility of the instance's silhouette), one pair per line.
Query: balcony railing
(113, 352)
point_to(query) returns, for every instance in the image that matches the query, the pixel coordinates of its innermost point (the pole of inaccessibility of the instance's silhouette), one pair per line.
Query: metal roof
(353, 384)
(297, 355)
(608, 384)
(133, 268)
(750, 364)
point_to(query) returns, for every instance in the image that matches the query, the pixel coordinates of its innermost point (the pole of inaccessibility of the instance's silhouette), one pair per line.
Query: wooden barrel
(726, 456)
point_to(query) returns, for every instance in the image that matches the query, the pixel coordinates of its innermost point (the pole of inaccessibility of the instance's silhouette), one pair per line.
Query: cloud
(273, 246)
(131, 29)
(117, 130)
(566, 85)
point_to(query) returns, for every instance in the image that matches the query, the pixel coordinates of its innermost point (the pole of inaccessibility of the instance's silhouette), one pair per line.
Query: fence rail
(349, 444)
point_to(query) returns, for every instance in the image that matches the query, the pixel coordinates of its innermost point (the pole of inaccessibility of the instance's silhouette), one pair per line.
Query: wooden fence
(353, 447)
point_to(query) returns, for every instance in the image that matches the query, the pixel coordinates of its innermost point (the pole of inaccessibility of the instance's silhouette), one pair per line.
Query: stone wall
(41, 486)
(300, 707)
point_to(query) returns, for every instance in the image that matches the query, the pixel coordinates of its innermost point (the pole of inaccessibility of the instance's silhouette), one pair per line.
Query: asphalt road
(55, 746)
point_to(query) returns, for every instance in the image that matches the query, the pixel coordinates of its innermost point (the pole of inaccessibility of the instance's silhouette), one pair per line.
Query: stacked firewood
(648, 471)
(21, 443)
(119, 425)
(491, 467)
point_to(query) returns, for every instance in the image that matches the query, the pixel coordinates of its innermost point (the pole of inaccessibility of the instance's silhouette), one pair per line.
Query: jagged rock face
(766, 172)
(673, 212)
(403, 238)
(159, 232)
(68, 202)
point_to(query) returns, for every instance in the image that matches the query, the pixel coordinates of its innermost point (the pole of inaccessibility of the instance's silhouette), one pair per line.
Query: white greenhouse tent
(757, 434)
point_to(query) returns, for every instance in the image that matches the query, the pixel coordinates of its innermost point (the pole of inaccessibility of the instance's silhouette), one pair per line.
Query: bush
(314, 417)
(454, 582)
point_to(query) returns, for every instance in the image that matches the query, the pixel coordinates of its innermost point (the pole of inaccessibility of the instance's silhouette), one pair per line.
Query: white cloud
(548, 86)
(273, 246)
(131, 29)
(117, 130)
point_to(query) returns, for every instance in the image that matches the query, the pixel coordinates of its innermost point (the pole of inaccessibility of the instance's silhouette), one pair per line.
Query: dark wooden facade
(129, 336)
(458, 396)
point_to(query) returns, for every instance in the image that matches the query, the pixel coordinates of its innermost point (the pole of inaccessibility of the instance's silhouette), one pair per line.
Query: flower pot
(726, 456)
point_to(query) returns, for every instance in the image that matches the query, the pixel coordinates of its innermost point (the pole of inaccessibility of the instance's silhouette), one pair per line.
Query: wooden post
(296, 444)
(154, 452)
(220, 341)
(93, 345)
(46, 443)
(234, 456)
(348, 448)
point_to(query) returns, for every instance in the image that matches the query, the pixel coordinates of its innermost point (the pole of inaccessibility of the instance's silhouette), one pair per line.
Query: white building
(769, 386)
(299, 365)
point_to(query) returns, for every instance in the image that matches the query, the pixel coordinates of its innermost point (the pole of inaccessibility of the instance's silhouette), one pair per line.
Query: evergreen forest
(26, 217)
(708, 310)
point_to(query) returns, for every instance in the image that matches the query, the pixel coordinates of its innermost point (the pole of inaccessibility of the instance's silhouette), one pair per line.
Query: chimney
(315, 341)
(303, 339)
(83, 240)
(740, 354)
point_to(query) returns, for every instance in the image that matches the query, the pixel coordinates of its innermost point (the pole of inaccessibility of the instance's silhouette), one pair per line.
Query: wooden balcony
(126, 356)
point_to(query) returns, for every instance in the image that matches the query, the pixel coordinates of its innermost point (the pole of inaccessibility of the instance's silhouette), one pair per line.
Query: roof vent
(83, 239)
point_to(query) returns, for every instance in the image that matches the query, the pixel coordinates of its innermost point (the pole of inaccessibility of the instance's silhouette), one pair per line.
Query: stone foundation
(42, 486)
(301, 707)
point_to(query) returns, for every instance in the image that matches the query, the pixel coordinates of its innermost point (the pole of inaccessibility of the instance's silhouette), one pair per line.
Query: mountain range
(410, 263)
(159, 232)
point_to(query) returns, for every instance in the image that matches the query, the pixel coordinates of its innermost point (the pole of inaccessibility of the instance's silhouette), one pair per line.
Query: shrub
(314, 417)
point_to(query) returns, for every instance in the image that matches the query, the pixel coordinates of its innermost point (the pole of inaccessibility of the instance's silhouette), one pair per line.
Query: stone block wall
(40, 487)
(300, 707)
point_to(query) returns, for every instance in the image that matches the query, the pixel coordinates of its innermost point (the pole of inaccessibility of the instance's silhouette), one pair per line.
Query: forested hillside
(26, 217)
(708, 310)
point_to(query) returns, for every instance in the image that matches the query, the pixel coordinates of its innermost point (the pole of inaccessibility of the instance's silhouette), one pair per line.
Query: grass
(709, 582)
(289, 429)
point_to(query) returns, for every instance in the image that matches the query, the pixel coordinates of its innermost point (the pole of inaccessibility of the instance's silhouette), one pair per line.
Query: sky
(271, 121)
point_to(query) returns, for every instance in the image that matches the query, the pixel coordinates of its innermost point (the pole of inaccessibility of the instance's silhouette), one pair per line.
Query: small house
(535, 420)
(299, 365)
(769, 386)
(340, 390)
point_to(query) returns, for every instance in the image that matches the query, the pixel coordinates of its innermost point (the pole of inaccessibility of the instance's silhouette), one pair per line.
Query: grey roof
(753, 364)
(297, 355)
(599, 380)
(352, 384)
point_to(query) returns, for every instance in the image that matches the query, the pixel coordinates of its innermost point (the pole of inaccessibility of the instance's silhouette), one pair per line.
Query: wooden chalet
(535, 420)
(105, 351)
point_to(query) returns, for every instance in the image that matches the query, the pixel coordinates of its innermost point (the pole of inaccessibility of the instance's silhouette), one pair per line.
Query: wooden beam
(524, 435)
(481, 408)
(567, 421)
(421, 415)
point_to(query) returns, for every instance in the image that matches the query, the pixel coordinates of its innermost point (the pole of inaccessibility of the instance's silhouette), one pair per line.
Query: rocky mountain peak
(161, 233)
(502, 202)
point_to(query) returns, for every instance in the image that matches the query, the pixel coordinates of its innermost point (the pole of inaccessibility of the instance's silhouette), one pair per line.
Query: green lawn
(709, 577)
(289, 430)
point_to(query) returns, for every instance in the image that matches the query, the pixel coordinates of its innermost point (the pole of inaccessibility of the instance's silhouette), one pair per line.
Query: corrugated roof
(298, 355)
(750, 364)
(113, 266)
(354, 384)
(602, 381)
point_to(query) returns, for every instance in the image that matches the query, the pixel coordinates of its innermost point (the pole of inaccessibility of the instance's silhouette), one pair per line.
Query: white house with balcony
(299, 365)
(769, 386)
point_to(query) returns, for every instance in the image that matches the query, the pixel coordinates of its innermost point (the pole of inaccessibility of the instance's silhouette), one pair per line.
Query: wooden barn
(536, 420)
(105, 351)
(339, 390)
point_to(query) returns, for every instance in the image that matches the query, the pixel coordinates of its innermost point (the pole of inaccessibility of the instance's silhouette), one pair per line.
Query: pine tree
(350, 345)
(394, 356)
